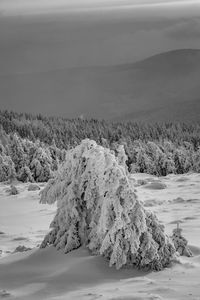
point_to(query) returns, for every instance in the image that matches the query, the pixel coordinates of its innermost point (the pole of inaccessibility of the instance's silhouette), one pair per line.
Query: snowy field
(23, 220)
(50, 274)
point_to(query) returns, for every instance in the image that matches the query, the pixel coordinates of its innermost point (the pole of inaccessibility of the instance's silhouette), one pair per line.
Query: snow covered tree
(143, 163)
(196, 160)
(41, 165)
(16, 152)
(25, 175)
(7, 168)
(180, 243)
(182, 160)
(98, 208)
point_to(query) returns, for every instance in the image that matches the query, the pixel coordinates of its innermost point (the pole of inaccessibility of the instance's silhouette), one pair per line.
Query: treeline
(27, 161)
(70, 132)
(157, 148)
(163, 158)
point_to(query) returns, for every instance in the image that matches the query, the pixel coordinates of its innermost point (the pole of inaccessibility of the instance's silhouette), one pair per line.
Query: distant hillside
(164, 87)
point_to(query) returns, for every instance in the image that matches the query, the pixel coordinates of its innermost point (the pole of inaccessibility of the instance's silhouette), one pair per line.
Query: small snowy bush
(98, 208)
(180, 243)
(13, 190)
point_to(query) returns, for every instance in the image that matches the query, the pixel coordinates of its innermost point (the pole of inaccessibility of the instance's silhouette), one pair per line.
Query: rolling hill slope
(165, 87)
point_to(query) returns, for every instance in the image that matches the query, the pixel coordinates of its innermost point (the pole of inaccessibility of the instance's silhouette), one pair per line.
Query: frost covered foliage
(26, 160)
(180, 243)
(25, 175)
(41, 165)
(7, 169)
(163, 157)
(152, 158)
(98, 208)
(157, 149)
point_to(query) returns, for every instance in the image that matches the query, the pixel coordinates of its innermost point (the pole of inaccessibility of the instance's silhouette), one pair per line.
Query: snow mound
(33, 187)
(181, 200)
(21, 248)
(98, 208)
(152, 202)
(155, 186)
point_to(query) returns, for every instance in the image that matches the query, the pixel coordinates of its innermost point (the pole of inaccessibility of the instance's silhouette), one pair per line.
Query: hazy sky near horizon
(48, 39)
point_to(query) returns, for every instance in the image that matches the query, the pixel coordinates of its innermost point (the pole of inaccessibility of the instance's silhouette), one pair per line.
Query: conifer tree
(98, 208)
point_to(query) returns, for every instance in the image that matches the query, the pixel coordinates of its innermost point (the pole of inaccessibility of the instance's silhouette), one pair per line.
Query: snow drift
(97, 207)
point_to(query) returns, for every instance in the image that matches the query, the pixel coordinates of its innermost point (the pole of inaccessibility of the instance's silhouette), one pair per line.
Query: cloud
(185, 30)
(46, 6)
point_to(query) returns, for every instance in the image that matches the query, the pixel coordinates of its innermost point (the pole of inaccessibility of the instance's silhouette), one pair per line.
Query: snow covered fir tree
(97, 207)
(180, 242)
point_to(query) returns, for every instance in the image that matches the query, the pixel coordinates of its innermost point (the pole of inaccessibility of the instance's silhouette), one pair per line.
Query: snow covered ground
(50, 274)
(23, 220)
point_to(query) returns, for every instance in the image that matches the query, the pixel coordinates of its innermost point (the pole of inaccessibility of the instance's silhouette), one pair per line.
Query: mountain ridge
(155, 88)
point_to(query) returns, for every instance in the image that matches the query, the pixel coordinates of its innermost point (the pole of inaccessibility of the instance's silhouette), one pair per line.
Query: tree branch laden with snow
(97, 207)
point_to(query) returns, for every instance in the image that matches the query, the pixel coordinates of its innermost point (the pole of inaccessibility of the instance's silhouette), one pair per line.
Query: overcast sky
(118, 35)
(45, 6)
(55, 39)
